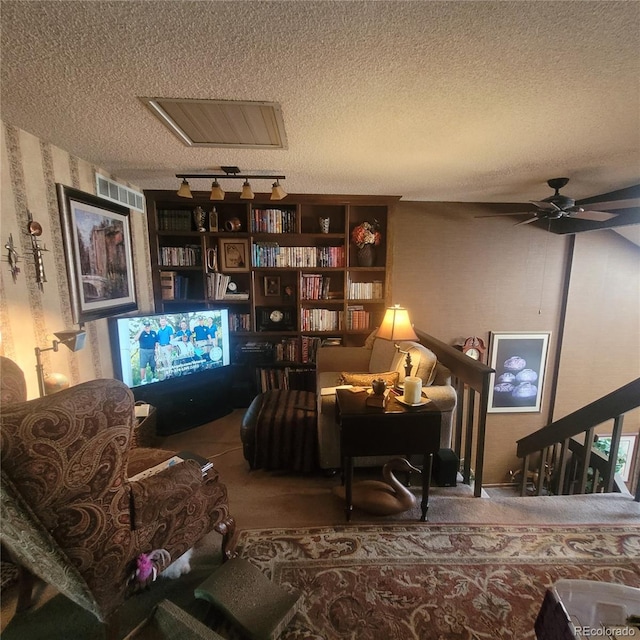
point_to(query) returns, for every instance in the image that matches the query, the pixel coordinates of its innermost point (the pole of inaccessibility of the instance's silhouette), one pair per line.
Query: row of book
(314, 286)
(239, 322)
(273, 221)
(173, 286)
(321, 320)
(217, 284)
(357, 318)
(175, 220)
(366, 290)
(188, 256)
(271, 254)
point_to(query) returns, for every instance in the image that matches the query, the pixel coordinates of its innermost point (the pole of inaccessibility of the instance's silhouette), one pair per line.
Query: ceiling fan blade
(596, 216)
(506, 213)
(546, 206)
(621, 199)
(517, 224)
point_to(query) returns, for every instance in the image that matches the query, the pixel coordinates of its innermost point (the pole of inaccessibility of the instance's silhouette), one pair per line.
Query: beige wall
(461, 276)
(29, 317)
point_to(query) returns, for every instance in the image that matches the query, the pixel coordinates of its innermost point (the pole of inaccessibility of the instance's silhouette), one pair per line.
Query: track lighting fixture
(231, 173)
(247, 192)
(277, 192)
(185, 190)
(217, 192)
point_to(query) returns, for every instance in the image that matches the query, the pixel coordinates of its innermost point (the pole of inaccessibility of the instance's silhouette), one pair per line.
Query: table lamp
(73, 339)
(397, 327)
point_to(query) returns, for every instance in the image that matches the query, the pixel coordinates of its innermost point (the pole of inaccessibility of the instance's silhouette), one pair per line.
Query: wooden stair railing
(555, 442)
(471, 381)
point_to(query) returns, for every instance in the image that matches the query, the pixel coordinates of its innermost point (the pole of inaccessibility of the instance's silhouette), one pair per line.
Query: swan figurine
(382, 498)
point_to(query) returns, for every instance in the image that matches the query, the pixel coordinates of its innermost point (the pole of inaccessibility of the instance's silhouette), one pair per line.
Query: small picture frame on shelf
(233, 255)
(272, 285)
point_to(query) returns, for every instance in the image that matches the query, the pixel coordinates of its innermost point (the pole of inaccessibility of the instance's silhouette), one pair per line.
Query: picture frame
(233, 255)
(96, 234)
(519, 360)
(272, 286)
(626, 452)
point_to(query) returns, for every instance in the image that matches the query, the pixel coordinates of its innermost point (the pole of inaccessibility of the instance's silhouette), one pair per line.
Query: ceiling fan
(557, 206)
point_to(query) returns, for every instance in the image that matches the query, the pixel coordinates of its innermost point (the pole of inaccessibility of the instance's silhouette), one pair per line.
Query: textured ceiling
(440, 101)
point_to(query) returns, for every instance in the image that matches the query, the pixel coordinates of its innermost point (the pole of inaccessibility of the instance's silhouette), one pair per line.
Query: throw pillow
(365, 379)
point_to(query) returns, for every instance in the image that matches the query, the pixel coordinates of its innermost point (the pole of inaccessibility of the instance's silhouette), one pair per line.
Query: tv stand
(185, 403)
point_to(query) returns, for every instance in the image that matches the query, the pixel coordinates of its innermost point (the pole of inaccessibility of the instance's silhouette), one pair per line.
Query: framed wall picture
(272, 285)
(234, 255)
(97, 243)
(213, 220)
(519, 360)
(626, 453)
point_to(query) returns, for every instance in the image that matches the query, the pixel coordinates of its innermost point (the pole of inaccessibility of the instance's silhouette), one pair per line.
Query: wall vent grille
(116, 192)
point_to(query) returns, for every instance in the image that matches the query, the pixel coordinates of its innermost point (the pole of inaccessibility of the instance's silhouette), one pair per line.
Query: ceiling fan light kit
(231, 173)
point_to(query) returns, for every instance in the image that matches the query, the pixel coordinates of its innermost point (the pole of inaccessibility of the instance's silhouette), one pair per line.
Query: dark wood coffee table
(395, 430)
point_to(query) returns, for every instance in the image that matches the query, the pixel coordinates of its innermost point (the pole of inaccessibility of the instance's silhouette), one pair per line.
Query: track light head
(217, 192)
(247, 192)
(277, 192)
(185, 190)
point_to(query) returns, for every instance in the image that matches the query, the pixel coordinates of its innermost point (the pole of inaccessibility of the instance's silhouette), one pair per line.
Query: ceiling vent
(116, 192)
(222, 123)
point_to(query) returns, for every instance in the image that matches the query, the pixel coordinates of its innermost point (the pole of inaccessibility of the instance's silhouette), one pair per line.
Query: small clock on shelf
(275, 319)
(474, 347)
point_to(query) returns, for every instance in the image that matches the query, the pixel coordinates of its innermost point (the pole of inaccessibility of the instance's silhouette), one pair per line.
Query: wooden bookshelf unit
(288, 286)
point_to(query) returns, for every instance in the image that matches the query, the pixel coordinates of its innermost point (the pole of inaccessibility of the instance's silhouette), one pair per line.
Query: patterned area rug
(447, 582)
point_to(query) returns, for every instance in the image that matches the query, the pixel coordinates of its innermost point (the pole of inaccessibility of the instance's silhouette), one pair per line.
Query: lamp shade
(396, 325)
(247, 192)
(277, 192)
(185, 190)
(217, 193)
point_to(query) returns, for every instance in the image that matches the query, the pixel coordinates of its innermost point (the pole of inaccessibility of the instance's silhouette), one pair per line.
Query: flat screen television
(178, 362)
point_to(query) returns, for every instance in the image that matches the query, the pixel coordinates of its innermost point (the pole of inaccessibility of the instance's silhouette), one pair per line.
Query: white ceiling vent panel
(116, 192)
(222, 123)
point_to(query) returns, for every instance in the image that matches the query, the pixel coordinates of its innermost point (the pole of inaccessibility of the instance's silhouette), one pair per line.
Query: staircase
(561, 454)
(567, 461)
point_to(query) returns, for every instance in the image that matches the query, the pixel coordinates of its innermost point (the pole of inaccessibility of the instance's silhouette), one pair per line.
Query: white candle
(412, 389)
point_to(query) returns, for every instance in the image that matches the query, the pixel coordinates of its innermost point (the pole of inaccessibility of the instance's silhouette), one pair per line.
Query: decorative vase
(199, 217)
(366, 256)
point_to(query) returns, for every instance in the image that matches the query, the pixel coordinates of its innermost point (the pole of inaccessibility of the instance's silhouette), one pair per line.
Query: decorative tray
(401, 400)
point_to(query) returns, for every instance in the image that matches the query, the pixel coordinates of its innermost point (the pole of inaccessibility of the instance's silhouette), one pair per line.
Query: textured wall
(29, 317)
(462, 276)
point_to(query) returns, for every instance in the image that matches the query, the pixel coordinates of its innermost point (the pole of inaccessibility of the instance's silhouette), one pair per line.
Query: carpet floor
(445, 582)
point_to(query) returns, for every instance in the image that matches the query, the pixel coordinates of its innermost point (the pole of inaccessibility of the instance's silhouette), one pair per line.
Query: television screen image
(155, 348)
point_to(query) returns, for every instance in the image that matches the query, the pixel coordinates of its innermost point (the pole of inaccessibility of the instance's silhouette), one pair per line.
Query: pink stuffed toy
(147, 566)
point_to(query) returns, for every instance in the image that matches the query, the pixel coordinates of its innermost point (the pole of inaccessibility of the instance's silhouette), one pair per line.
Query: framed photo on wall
(97, 242)
(234, 255)
(519, 360)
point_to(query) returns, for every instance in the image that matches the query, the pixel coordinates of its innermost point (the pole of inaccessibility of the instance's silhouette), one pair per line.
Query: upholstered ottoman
(279, 431)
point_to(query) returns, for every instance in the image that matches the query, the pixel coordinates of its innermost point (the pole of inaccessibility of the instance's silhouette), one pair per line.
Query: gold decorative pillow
(365, 379)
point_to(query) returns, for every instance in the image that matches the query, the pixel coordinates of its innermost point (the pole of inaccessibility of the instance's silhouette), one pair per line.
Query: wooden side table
(395, 430)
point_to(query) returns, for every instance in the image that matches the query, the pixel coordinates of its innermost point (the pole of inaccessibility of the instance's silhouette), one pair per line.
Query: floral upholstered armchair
(70, 514)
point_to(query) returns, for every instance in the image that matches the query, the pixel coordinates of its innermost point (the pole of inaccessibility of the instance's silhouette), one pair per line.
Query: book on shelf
(168, 285)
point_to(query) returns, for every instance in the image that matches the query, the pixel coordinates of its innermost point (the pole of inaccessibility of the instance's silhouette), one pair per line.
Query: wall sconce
(73, 339)
(396, 327)
(231, 173)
